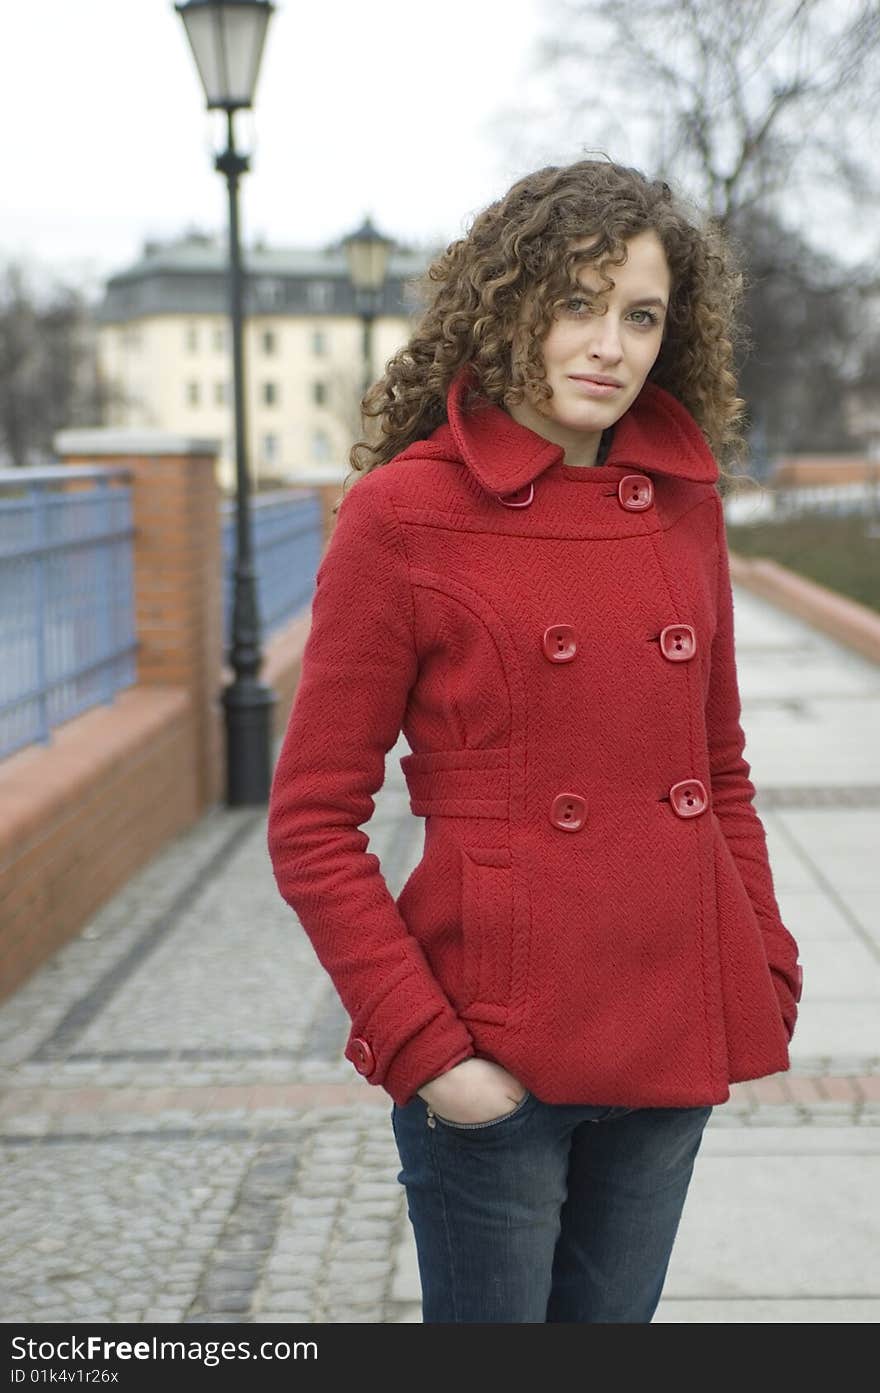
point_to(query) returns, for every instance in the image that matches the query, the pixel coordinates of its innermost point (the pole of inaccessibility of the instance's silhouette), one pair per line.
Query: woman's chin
(598, 416)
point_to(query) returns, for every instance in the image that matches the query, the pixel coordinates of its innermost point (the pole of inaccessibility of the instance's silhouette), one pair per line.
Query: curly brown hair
(519, 262)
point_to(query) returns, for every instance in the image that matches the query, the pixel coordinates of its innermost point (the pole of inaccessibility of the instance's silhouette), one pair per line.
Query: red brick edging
(106, 1100)
(803, 1088)
(846, 620)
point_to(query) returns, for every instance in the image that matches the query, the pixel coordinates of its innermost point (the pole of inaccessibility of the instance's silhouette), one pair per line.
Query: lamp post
(227, 38)
(367, 252)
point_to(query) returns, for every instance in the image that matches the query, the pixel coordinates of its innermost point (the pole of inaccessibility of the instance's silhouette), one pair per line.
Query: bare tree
(862, 405)
(741, 101)
(48, 366)
(761, 113)
(809, 336)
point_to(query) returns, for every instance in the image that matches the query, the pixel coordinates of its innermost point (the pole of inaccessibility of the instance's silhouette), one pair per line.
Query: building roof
(188, 275)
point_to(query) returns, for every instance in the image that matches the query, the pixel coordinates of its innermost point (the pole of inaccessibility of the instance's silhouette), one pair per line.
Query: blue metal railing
(780, 503)
(67, 627)
(67, 632)
(288, 539)
(836, 500)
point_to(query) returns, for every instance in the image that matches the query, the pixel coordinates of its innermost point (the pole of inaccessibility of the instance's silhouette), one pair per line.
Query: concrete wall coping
(313, 477)
(120, 441)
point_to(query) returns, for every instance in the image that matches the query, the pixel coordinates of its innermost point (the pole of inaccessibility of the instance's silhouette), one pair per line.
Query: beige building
(163, 350)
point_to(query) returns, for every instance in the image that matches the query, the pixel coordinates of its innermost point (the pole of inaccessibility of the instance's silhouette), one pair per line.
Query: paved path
(182, 1141)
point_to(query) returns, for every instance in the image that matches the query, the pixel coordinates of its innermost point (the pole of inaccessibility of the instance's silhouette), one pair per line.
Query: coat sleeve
(733, 791)
(359, 663)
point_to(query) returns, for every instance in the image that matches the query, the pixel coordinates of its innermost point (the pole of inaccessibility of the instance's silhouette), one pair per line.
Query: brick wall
(79, 817)
(792, 470)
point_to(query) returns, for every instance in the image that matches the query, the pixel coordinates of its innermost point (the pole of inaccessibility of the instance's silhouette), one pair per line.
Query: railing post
(104, 500)
(41, 538)
(177, 573)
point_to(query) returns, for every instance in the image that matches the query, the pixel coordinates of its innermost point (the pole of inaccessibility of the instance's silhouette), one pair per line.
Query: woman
(531, 581)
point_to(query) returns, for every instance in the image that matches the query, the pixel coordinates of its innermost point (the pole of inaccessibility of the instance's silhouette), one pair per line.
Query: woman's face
(621, 344)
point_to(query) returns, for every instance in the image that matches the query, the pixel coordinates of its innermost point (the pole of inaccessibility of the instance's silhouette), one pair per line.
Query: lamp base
(248, 706)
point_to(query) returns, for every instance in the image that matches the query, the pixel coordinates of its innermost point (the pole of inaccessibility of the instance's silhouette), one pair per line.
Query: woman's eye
(580, 305)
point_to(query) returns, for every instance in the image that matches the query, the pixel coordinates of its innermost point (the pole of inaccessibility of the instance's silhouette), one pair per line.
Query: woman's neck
(575, 457)
(582, 449)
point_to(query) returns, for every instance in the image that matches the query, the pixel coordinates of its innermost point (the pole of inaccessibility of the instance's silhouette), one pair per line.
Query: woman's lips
(594, 389)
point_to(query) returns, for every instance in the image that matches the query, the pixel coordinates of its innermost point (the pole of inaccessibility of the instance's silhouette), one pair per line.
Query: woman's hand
(476, 1090)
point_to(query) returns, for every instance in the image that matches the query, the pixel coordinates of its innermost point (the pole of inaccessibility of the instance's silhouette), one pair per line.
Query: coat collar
(656, 434)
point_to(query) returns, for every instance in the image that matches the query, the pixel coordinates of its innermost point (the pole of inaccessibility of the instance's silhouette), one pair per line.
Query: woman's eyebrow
(636, 300)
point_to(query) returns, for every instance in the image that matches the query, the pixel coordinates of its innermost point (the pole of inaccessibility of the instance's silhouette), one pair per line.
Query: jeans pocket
(490, 1123)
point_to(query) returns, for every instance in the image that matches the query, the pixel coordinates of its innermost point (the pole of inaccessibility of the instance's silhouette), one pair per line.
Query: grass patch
(839, 552)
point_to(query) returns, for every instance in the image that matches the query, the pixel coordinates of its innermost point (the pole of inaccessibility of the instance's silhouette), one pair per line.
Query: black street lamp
(368, 253)
(227, 38)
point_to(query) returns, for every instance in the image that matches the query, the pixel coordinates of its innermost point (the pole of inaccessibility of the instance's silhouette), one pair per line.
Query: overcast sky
(386, 107)
(410, 111)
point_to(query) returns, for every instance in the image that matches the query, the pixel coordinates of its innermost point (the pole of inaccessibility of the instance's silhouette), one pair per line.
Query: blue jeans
(552, 1212)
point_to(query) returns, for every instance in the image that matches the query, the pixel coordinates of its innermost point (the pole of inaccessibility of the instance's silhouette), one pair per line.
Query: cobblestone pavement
(183, 1141)
(158, 1162)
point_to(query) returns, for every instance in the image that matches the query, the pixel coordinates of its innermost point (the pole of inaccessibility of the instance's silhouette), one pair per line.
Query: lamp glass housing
(227, 38)
(367, 252)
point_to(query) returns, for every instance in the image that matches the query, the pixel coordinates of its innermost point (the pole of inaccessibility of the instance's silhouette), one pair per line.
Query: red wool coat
(594, 907)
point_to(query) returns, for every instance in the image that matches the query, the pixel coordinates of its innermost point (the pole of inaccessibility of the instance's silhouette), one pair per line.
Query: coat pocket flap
(487, 924)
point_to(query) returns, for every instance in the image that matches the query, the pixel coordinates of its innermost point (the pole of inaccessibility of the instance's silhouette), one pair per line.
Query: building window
(220, 394)
(220, 340)
(269, 292)
(319, 295)
(192, 393)
(269, 449)
(270, 393)
(192, 338)
(269, 341)
(319, 343)
(320, 446)
(319, 393)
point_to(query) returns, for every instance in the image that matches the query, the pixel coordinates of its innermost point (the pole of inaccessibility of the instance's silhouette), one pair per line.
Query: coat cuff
(440, 1044)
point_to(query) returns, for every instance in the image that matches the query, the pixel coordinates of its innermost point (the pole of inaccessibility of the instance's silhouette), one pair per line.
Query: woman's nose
(604, 341)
